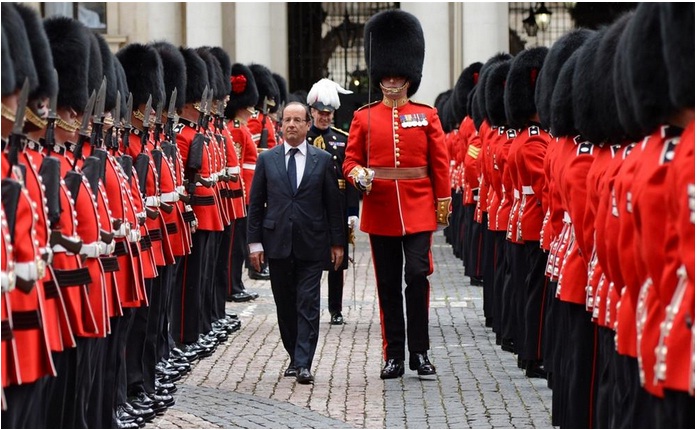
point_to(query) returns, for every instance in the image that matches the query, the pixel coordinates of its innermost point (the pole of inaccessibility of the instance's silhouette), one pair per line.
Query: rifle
(264, 139)
(50, 135)
(17, 138)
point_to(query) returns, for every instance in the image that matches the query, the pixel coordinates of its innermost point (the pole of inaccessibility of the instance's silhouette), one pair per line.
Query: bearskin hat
(562, 122)
(519, 98)
(109, 73)
(494, 92)
(122, 85)
(645, 70)
(225, 65)
(625, 111)
(394, 46)
(215, 73)
(482, 113)
(144, 73)
(174, 69)
(477, 115)
(95, 73)
(299, 96)
(243, 92)
(440, 104)
(8, 72)
(70, 47)
(282, 86)
(266, 85)
(607, 123)
(467, 80)
(677, 28)
(40, 52)
(196, 75)
(583, 89)
(20, 49)
(554, 61)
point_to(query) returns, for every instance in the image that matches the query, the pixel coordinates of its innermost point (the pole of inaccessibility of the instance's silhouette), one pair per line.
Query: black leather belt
(172, 228)
(110, 264)
(134, 248)
(51, 289)
(202, 201)
(233, 194)
(120, 248)
(155, 234)
(145, 243)
(26, 320)
(189, 216)
(73, 277)
(225, 193)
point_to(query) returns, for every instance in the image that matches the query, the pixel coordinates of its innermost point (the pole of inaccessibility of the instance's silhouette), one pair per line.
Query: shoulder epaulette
(534, 130)
(369, 104)
(511, 133)
(422, 104)
(668, 152)
(237, 123)
(585, 148)
(340, 131)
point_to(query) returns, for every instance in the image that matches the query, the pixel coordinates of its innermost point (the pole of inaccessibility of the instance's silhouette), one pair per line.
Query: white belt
(233, 170)
(124, 230)
(141, 215)
(107, 248)
(527, 190)
(170, 197)
(180, 189)
(134, 235)
(7, 281)
(567, 217)
(31, 270)
(516, 194)
(152, 201)
(214, 177)
(249, 166)
(91, 250)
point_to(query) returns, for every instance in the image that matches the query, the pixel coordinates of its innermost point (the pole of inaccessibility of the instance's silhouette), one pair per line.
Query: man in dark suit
(295, 221)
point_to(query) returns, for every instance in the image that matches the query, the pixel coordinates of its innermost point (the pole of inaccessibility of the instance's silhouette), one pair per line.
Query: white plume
(327, 92)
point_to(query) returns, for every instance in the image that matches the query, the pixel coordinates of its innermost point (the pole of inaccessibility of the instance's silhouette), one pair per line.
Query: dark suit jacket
(306, 223)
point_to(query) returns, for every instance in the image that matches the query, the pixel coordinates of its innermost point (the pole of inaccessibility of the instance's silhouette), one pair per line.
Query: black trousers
(604, 378)
(24, 408)
(474, 243)
(136, 360)
(295, 284)
(495, 275)
(335, 281)
(210, 266)
(534, 302)
(165, 343)
(222, 270)
(239, 256)
(186, 294)
(391, 256)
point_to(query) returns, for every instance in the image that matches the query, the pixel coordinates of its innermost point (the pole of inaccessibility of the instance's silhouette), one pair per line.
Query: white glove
(353, 222)
(365, 177)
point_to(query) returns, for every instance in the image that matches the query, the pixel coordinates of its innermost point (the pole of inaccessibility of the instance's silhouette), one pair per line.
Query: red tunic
(408, 136)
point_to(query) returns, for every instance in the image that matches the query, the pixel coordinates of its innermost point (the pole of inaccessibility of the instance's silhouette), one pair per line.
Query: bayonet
(50, 136)
(146, 124)
(113, 142)
(98, 117)
(171, 112)
(127, 121)
(16, 138)
(202, 108)
(84, 133)
(158, 122)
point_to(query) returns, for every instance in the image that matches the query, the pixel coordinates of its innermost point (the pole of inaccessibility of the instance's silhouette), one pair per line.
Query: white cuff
(170, 197)
(256, 247)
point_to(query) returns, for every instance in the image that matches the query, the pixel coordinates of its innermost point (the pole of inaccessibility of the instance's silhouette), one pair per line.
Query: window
(93, 15)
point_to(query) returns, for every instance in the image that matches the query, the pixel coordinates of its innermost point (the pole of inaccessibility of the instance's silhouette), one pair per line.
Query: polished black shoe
(337, 319)
(507, 345)
(137, 411)
(291, 371)
(162, 387)
(123, 416)
(158, 405)
(189, 356)
(394, 368)
(241, 297)
(167, 399)
(534, 370)
(304, 376)
(419, 361)
(259, 276)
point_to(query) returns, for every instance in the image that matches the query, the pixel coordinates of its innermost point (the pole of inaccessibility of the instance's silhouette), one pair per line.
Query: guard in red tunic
(397, 157)
(238, 111)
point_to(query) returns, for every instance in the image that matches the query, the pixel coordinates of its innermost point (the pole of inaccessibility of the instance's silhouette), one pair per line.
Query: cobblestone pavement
(477, 385)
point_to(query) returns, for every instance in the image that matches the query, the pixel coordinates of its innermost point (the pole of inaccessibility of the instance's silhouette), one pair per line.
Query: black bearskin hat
(481, 111)
(282, 91)
(20, 50)
(196, 75)
(244, 90)
(225, 65)
(266, 85)
(520, 86)
(40, 52)
(494, 92)
(467, 80)
(608, 126)
(394, 46)
(677, 28)
(122, 85)
(562, 122)
(583, 89)
(8, 71)
(144, 73)
(70, 47)
(440, 104)
(109, 71)
(645, 71)
(554, 61)
(174, 69)
(215, 73)
(95, 74)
